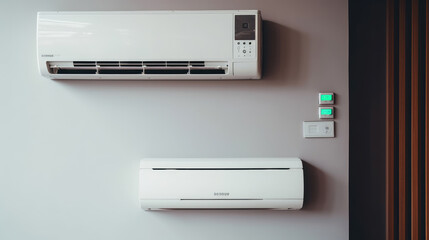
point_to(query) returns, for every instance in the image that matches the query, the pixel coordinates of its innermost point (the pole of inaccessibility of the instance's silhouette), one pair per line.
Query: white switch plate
(318, 129)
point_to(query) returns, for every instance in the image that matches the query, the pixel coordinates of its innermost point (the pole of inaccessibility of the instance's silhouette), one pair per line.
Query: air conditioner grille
(139, 67)
(108, 64)
(84, 64)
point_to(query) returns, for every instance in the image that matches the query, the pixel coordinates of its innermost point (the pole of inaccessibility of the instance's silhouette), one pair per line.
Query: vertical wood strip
(427, 123)
(390, 120)
(415, 123)
(402, 148)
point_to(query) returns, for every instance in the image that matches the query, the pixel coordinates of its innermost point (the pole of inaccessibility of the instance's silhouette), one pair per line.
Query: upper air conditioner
(222, 183)
(150, 45)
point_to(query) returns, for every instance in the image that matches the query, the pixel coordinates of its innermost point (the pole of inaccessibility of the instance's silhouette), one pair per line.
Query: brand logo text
(221, 193)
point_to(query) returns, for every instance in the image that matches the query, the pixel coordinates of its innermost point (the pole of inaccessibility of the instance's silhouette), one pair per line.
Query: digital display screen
(245, 27)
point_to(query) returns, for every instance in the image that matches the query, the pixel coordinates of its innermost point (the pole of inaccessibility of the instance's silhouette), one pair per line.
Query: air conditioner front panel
(276, 183)
(133, 36)
(64, 38)
(208, 184)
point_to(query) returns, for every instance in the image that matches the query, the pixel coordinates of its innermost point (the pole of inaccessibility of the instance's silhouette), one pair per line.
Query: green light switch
(326, 98)
(326, 111)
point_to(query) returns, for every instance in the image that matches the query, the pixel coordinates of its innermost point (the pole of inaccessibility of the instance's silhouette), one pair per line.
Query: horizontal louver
(138, 67)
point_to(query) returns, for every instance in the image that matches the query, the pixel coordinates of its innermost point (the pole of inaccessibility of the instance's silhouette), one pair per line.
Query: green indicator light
(326, 111)
(326, 97)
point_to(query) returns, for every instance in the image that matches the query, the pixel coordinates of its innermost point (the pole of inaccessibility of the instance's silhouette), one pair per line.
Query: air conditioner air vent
(84, 64)
(120, 71)
(108, 64)
(139, 67)
(177, 64)
(197, 64)
(131, 64)
(76, 71)
(207, 71)
(166, 71)
(155, 64)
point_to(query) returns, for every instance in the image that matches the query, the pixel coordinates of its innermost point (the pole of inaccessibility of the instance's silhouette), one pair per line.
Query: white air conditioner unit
(221, 183)
(150, 45)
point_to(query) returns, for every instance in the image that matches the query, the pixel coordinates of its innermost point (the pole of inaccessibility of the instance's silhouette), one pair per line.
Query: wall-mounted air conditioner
(150, 45)
(221, 183)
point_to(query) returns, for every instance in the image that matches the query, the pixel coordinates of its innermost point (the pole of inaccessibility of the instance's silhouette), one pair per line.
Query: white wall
(70, 150)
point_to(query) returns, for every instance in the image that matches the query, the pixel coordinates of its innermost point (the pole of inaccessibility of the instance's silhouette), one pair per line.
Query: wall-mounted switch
(326, 98)
(326, 112)
(318, 129)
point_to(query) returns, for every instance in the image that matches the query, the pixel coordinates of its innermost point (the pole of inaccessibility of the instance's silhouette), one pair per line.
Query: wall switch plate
(318, 129)
(326, 112)
(326, 98)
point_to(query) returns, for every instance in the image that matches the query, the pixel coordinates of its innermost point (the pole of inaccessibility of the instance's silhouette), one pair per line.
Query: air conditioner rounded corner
(43, 69)
(246, 70)
(301, 204)
(303, 187)
(143, 206)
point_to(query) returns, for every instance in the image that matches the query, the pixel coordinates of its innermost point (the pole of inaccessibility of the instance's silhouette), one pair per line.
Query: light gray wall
(70, 150)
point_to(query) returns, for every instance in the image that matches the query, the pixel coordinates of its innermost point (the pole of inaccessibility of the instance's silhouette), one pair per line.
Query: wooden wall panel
(415, 123)
(407, 113)
(403, 125)
(427, 123)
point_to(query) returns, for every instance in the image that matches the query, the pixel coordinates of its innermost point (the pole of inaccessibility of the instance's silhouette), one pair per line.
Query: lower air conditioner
(221, 183)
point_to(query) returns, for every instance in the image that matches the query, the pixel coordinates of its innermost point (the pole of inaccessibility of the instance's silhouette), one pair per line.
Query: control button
(244, 51)
(326, 112)
(244, 43)
(250, 43)
(326, 98)
(238, 43)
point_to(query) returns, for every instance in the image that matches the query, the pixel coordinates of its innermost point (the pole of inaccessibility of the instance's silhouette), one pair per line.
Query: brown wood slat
(402, 151)
(415, 124)
(390, 120)
(427, 124)
(412, 194)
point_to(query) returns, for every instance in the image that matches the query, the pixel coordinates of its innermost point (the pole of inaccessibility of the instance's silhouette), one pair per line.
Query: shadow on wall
(315, 192)
(284, 58)
(283, 53)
